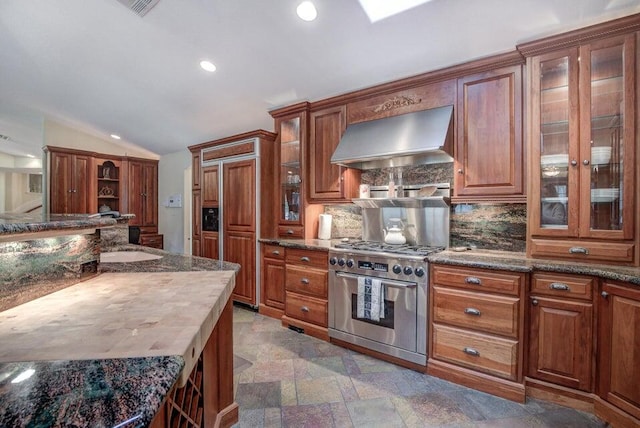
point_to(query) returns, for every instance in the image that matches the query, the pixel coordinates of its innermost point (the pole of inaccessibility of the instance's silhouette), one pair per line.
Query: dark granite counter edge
(28, 226)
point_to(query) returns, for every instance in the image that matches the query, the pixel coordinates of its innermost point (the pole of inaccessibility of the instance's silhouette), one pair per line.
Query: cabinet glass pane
(554, 142)
(290, 174)
(607, 111)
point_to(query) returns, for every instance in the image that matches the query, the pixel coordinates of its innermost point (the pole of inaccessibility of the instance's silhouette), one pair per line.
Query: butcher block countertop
(107, 351)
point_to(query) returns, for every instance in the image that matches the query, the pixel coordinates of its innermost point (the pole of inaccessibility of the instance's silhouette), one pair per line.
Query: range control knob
(341, 261)
(333, 261)
(397, 269)
(419, 272)
(350, 263)
(408, 270)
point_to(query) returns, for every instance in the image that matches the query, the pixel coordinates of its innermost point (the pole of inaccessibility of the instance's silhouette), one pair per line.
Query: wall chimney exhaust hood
(418, 138)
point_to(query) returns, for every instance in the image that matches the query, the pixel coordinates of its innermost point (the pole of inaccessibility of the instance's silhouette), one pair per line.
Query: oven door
(397, 329)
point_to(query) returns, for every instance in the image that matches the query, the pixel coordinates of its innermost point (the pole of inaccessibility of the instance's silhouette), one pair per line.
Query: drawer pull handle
(305, 259)
(290, 232)
(578, 250)
(473, 280)
(559, 286)
(471, 351)
(304, 309)
(472, 311)
(275, 252)
(304, 281)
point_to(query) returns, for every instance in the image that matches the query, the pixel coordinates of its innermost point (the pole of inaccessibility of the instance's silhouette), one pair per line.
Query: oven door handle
(389, 282)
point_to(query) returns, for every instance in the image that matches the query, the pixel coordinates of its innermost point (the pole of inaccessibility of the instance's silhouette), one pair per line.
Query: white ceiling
(97, 66)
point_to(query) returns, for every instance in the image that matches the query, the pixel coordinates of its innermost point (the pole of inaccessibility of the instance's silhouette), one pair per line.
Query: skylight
(378, 10)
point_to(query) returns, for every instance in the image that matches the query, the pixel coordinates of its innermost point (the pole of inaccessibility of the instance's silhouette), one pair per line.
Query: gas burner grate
(414, 250)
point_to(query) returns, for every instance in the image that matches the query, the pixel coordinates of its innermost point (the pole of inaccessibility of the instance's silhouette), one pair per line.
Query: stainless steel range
(403, 273)
(389, 281)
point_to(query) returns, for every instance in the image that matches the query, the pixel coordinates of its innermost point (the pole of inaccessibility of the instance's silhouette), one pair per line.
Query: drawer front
(300, 257)
(290, 231)
(549, 284)
(619, 253)
(306, 309)
(155, 241)
(477, 279)
(488, 354)
(306, 281)
(273, 251)
(478, 311)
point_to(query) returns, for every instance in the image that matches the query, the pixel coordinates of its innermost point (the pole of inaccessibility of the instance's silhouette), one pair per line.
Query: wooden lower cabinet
(210, 244)
(240, 248)
(619, 354)
(306, 291)
(152, 240)
(561, 342)
(207, 398)
(476, 335)
(272, 295)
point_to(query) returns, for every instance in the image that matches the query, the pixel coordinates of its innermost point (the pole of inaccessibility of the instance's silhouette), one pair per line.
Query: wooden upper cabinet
(143, 194)
(240, 195)
(329, 182)
(195, 170)
(489, 158)
(210, 186)
(70, 187)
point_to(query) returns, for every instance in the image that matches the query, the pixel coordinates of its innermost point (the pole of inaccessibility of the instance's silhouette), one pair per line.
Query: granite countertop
(491, 259)
(88, 373)
(13, 226)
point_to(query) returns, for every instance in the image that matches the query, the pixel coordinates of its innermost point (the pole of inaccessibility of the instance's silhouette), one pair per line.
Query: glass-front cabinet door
(607, 138)
(555, 111)
(583, 141)
(290, 169)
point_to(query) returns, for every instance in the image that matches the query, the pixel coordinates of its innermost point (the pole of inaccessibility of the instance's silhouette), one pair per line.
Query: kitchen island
(122, 347)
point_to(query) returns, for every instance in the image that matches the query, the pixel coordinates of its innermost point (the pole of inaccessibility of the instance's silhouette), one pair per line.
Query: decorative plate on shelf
(554, 160)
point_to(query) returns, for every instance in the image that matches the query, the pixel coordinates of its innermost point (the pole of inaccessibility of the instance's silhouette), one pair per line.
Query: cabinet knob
(585, 162)
(574, 162)
(534, 302)
(460, 171)
(304, 309)
(471, 351)
(604, 294)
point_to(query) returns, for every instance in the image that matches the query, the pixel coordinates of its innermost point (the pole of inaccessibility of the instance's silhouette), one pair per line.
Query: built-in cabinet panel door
(240, 248)
(489, 153)
(136, 193)
(326, 129)
(196, 215)
(619, 347)
(150, 198)
(210, 244)
(195, 171)
(81, 184)
(61, 187)
(240, 196)
(561, 342)
(210, 186)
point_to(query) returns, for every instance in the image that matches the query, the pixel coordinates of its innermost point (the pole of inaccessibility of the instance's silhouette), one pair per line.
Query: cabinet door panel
(81, 184)
(240, 247)
(150, 197)
(60, 183)
(489, 146)
(326, 129)
(210, 186)
(619, 347)
(210, 245)
(240, 196)
(561, 342)
(273, 283)
(135, 193)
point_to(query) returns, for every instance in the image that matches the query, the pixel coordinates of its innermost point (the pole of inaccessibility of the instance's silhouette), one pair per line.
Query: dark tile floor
(286, 379)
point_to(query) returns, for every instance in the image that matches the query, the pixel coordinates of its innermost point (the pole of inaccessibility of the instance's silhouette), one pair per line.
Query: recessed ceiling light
(307, 11)
(31, 156)
(208, 65)
(377, 10)
(115, 137)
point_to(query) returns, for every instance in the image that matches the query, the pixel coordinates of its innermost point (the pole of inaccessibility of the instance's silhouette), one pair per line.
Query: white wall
(171, 181)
